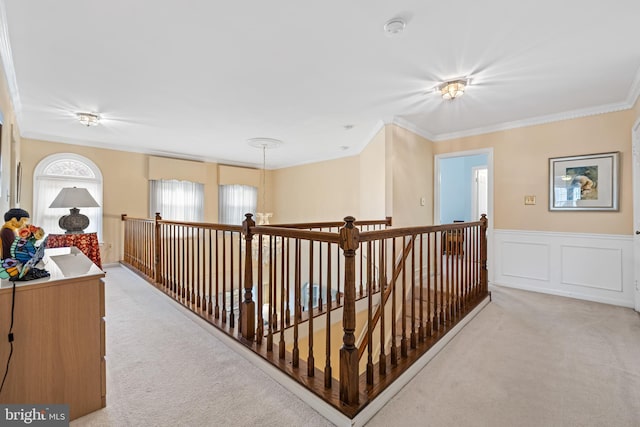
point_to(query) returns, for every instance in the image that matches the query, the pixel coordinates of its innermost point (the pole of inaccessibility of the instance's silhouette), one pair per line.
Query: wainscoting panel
(599, 268)
(594, 267)
(525, 260)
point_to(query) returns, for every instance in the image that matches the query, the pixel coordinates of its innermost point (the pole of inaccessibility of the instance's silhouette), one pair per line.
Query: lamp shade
(74, 197)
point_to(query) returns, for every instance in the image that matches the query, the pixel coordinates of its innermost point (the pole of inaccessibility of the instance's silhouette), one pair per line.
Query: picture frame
(584, 183)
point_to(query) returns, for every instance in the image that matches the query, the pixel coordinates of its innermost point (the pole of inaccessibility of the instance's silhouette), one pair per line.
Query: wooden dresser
(59, 335)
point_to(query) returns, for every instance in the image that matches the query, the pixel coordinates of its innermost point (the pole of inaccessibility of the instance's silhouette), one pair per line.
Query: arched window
(55, 172)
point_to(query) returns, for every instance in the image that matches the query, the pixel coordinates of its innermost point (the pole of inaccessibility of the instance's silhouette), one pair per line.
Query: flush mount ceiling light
(88, 119)
(453, 89)
(394, 26)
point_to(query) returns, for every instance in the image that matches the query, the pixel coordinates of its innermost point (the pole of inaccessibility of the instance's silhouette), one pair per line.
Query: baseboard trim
(566, 294)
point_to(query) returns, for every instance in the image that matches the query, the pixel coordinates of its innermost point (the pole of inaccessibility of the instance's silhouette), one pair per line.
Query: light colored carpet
(526, 360)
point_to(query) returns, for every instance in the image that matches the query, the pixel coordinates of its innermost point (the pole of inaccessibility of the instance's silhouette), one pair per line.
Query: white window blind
(234, 201)
(176, 200)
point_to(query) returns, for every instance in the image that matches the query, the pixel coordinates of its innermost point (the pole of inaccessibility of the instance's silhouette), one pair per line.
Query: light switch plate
(529, 200)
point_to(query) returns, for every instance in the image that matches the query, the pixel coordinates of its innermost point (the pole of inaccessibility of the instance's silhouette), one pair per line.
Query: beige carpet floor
(526, 360)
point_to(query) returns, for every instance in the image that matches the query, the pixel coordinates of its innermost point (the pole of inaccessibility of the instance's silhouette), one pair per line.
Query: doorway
(453, 193)
(479, 191)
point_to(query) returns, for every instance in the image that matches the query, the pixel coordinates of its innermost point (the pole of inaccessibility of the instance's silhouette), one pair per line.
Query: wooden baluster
(170, 260)
(460, 270)
(273, 287)
(296, 305)
(310, 358)
(470, 262)
(284, 289)
(483, 255)
(157, 268)
(394, 318)
(403, 312)
(454, 276)
(248, 305)
(465, 238)
(216, 309)
(361, 272)
(320, 302)
(443, 265)
(429, 324)
(183, 282)
(327, 327)
(260, 266)
(338, 292)
(210, 273)
(369, 317)
(191, 259)
(288, 291)
(476, 263)
(414, 341)
(166, 259)
(232, 314)
(382, 359)
(201, 257)
(421, 332)
(240, 280)
(224, 276)
(476, 248)
(196, 234)
(349, 386)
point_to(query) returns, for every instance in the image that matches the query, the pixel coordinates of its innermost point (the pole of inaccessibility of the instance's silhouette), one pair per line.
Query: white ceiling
(197, 78)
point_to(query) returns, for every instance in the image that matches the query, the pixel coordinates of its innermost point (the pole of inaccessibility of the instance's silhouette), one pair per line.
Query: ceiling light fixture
(88, 119)
(453, 89)
(394, 26)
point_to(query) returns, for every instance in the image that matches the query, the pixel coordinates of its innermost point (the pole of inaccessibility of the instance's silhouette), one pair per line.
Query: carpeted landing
(526, 360)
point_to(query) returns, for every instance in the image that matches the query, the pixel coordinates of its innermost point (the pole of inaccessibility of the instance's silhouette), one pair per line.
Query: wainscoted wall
(594, 267)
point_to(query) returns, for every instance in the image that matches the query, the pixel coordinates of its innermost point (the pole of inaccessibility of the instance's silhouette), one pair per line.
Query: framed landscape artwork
(584, 183)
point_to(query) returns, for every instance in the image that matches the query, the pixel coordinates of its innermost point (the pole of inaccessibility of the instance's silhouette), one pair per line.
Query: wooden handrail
(387, 292)
(334, 224)
(318, 236)
(367, 236)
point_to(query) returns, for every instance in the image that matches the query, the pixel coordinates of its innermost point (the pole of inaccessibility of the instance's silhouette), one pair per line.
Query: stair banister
(248, 324)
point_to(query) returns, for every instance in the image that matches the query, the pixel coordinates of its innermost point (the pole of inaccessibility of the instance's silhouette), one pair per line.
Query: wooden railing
(314, 299)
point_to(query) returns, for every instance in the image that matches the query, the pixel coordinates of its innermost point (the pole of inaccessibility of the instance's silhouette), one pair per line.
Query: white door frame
(474, 191)
(635, 145)
(436, 196)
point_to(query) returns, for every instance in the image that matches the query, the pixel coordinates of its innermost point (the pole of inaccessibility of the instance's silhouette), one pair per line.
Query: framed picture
(584, 183)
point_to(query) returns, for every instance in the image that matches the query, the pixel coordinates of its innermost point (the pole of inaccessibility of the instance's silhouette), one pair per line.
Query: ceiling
(323, 77)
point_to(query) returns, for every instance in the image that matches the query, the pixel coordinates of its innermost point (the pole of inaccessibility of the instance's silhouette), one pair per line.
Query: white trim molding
(593, 267)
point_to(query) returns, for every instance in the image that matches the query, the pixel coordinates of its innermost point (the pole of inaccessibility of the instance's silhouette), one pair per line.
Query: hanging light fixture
(262, 218)
(264, 144)
(453, 89)
(88, 119)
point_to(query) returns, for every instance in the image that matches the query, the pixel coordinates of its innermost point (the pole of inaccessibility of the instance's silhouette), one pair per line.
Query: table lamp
(73, 198)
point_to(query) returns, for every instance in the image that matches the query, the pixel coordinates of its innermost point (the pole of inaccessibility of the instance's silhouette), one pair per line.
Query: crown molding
(634, 93)
(6, 56)
(566, 115)
(405, 124)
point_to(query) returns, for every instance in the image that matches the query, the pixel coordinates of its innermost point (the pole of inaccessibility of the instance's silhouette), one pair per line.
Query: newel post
(248, 311)
(157, 272)
(483, 254)
(349, 242)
